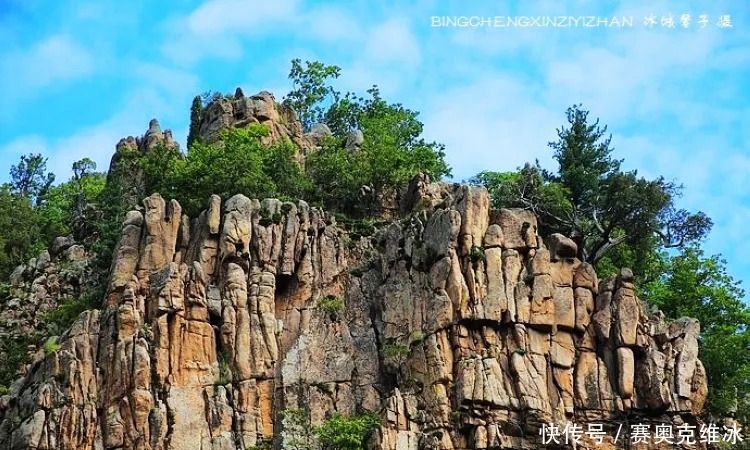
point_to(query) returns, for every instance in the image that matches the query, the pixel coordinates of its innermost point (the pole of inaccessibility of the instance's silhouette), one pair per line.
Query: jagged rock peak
(456, 325)
(153, 127)
(240, 111)
(150, 139)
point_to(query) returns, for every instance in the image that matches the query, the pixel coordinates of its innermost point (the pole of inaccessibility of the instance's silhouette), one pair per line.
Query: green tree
(346, 433)
(310, 90)
(239, 163)
(693, 285)
(120, 194)
(391, 154)
(30, 177)
(591, 199)
(71, 207)
(196, 115)
(21, 238)
(158, 168)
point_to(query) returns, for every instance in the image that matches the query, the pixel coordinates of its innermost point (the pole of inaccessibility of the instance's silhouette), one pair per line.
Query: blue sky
(79, 75)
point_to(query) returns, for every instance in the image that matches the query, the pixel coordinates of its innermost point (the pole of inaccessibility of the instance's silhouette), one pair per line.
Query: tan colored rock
(495, 301)
(215, 325)
(127, 253)
(540, 263)
(585, 277)
(584, 307)
(522, 296)
(625, 317)
(159, 243)
(587, 381)
(519, 228)
(542, 302)
(511, 273)
(626, 372)
(214, 214)
(441, 231)
(493, 237)
(650, 381)
(561, 247)
(473, 203)
(562, 350)
(565, 314)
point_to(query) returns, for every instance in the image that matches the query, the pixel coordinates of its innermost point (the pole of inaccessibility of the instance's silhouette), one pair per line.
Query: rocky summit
(458, 325)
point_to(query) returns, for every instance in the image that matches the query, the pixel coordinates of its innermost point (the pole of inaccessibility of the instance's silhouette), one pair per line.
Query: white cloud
(222, 16)
(98, 141)
(392, 42)
(55, 59)
(216, 28)
(175, 84)
(490, 125)
(331, 24)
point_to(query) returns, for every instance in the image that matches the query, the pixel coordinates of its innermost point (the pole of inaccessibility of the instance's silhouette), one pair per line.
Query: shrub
(225, 372)
(331, 304)
(417, 337)
(342, 433)
(51, 345)
(395, 351)
(477, 254)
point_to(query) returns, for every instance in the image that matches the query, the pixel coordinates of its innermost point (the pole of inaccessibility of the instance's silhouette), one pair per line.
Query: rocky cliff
(459, 325)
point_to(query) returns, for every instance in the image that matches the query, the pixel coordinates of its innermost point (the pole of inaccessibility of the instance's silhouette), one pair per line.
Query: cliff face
(460, 326)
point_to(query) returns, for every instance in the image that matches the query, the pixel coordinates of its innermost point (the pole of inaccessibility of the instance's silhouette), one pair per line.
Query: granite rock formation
(461, 327)
(57, 276)
(262, 108)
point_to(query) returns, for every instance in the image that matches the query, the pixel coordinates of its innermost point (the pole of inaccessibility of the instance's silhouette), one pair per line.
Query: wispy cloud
(26, 72)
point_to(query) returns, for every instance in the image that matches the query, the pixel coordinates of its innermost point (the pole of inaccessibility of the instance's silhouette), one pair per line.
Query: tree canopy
(594, 201)
(30, 178)
(350, 177)
(39, 211)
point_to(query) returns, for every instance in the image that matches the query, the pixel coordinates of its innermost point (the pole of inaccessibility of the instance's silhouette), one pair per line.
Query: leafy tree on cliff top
(30, 178)
(38, 211)
(392, 151)
(590, 198)
(21, 236)
(238, 164)
(310, 91)
(71, 207)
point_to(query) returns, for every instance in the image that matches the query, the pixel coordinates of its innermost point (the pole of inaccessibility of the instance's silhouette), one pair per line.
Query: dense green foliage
(339, 178)
(336, 433)
(38, 212)
(693, 285)
(342, 433)
(238, 163)
(21, 237)
(30, 178)
(349, 179)
(600, 206)
(196, 115)
(310, 91)
(390, 155)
